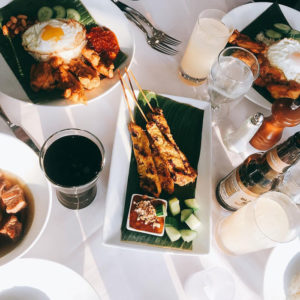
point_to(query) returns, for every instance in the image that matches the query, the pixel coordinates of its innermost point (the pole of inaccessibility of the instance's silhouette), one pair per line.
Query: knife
(19, 132)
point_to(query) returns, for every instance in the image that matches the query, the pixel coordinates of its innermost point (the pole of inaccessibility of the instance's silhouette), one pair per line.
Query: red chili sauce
(103, 41)
(146, 222)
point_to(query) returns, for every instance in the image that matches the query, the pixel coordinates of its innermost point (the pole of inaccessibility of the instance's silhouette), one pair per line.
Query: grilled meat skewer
(170, 156)
(149, 180)
(158, 117)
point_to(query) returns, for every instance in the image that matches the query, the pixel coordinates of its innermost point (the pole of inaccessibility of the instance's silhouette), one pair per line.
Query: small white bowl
(19, 160)
(143, 231)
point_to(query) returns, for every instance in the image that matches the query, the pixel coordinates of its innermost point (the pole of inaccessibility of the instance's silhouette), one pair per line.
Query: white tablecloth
(74, 238)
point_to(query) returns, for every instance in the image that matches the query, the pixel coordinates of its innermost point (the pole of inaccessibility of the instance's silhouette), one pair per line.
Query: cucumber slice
(45, 13)
(60, 11)
(188, 235)
(174, 206)
(270, 33)
(173, 233)
(161, 210)
(295, 34)
(171, 222)
(283, 28)
(73, 14)
(191, 203)
(185, 213)
(193, 222)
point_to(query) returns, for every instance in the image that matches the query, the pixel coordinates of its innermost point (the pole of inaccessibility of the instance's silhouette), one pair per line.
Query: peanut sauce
(140, 224)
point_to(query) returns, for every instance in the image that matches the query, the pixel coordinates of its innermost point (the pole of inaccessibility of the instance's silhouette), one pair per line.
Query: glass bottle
(259, 173)
(285, 113)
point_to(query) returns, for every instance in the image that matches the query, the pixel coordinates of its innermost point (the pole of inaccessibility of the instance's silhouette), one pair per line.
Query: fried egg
(62, 38)
(285, 55)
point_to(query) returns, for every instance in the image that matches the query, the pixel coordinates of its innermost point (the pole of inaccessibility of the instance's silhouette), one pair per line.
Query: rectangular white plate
(118, 177)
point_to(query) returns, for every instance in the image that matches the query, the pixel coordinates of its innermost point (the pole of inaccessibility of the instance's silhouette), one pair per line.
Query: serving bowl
(18, 159)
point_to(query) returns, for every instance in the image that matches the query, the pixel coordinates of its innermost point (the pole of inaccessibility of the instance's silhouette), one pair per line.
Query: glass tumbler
(72, 160)
(231, 75)
(264, 223)
(208, 38)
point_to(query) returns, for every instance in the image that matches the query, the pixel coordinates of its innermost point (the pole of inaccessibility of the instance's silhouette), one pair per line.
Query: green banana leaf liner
(19, 60)
(266, 20)
(186, 123)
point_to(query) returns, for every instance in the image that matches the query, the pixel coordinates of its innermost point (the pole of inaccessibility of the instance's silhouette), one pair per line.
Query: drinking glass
(290, 184)
(208, 38)
(72, 160)
(212, 284)
(231, 75)
(264, 223)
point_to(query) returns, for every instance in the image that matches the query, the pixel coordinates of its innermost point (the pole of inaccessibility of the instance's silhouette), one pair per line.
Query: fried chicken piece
(290, 90)
(158, 117)
(105, 69)
(149, 180)
(55, 62)
(91, 56)
(73, 89)
(12, 228)
(245, 41)
(42, 77)
(87, 76)
(170, 155)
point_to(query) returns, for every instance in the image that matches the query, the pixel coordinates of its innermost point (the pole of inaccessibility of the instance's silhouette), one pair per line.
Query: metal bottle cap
(257, 118)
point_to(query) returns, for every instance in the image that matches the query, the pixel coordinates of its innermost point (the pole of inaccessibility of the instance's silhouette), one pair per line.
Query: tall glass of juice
(268, 221)
(207, 40)
(72, 160)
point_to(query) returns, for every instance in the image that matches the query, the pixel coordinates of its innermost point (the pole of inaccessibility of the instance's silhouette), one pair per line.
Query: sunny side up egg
(63, 38)
(285, 55)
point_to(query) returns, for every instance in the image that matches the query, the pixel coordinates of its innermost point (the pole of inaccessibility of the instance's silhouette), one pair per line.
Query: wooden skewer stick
(140, 89)
(134, 97)
(124, 91)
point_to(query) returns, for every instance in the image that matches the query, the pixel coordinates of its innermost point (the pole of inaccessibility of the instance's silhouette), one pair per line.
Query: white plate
(20, 160)
(38, 279)
(282, 265)
(118, 177)
(105, 13)
(241, 16)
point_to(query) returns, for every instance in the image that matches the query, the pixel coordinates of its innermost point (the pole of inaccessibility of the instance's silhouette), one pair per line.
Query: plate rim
(46, 262)
(63, 103)
(207, 129)
(271, 270)
(7, 259)
(253, 95)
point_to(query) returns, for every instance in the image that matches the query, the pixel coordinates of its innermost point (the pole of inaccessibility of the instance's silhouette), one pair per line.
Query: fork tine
(170, 38)
(169, 41)
(164, 49)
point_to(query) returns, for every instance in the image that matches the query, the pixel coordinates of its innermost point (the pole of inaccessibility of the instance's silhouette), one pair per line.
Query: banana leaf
(186, 123)
(19, 60)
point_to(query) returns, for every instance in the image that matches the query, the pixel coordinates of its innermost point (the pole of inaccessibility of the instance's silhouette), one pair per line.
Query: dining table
(74, 238)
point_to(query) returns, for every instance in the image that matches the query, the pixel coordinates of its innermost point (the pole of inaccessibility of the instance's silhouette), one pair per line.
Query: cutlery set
(156, 38)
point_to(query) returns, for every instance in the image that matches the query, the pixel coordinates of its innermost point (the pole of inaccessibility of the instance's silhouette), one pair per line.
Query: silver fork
(160, 35)
(153, 41)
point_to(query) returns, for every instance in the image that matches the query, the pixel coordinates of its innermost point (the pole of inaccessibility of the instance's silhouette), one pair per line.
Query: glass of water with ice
(231, 75)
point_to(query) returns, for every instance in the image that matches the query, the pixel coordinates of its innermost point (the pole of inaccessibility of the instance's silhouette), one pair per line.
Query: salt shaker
(238, 140)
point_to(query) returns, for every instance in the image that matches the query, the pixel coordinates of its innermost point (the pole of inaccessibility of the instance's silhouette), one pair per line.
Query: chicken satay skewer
(149, 180)
(126, 98)
(134, 98)
(140, 89)
(163, 172)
